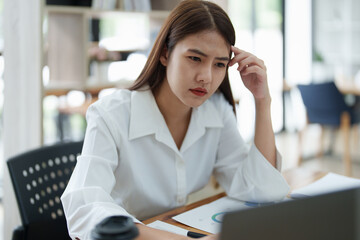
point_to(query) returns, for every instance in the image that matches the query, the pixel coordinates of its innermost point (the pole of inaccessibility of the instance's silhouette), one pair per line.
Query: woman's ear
(164, 56)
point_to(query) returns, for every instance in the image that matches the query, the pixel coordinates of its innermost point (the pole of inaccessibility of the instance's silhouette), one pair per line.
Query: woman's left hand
(252, 71)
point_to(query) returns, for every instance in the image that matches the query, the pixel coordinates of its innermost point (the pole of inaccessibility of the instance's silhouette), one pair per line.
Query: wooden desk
(296, 178)
(348, 87)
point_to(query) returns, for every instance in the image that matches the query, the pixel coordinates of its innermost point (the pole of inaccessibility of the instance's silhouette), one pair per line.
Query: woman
(147, 148)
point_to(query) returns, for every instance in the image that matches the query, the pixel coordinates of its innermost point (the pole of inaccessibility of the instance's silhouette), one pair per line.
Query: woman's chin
(195, 104)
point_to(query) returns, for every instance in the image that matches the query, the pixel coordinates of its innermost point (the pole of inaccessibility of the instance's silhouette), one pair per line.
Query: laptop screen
(328, 216)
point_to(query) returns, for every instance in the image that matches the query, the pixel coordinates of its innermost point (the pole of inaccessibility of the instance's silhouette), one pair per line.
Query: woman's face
(196, 67)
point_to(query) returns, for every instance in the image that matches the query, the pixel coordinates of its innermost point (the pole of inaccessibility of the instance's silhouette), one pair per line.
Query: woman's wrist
(263, 103)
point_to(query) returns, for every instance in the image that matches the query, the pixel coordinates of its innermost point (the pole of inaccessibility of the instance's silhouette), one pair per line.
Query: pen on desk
(195, 234)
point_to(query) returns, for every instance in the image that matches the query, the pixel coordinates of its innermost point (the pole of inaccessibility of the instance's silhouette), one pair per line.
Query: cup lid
(115, 228)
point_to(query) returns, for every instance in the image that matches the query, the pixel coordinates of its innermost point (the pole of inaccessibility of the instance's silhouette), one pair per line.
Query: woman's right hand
(148, 233)
(211, 237)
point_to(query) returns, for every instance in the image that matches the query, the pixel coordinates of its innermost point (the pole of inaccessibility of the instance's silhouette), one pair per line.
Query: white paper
(209, 216)
(168, 227)
(330, 183)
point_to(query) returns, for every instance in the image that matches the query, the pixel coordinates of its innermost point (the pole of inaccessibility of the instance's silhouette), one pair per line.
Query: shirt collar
(146, 119)
(145, 116)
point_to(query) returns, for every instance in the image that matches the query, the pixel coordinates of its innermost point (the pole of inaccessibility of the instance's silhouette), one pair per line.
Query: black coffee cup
(115, 228)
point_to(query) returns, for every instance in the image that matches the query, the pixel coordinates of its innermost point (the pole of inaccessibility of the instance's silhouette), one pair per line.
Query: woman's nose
(205, 74)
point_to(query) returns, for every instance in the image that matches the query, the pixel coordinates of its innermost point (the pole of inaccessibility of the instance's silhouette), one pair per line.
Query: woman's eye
(196, 59)
(220, 65)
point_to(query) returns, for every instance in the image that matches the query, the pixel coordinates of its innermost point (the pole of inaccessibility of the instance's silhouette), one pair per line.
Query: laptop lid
(328, 216)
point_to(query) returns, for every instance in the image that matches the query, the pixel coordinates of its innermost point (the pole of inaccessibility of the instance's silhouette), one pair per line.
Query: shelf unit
(67, 45)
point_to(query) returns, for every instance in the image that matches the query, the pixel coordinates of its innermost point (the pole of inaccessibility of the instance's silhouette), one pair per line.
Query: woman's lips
(199, 91)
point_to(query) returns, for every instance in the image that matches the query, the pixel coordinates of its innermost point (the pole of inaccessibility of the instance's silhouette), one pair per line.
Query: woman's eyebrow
(197, 51)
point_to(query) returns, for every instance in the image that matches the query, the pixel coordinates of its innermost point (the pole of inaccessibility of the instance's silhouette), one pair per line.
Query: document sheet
(209, 216)
(331, 182)
(168, 227)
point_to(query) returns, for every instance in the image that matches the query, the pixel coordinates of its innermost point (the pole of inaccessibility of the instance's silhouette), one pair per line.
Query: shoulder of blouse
(112, 108)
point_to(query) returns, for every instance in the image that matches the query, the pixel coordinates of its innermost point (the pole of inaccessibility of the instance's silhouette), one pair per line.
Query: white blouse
(130, 164)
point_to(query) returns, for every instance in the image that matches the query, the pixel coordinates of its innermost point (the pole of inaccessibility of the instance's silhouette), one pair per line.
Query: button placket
(181, 180)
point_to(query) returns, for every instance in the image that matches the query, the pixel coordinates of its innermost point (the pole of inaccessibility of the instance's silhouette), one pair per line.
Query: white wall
(298, 41)
(298, 58)
(23, 90)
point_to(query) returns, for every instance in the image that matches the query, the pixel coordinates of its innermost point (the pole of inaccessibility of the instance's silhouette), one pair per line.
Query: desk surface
(296, 178)
(348, 87)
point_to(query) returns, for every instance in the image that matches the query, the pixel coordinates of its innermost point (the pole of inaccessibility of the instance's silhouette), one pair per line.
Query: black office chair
(39, 177)
(325, 105)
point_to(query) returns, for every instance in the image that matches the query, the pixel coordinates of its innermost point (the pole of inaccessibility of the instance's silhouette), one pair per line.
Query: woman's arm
(87, 198)
(253, 74)
(148, 233)
(264, 135)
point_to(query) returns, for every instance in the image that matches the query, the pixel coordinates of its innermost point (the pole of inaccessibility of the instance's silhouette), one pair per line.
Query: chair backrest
(324, 103)
(39, 177)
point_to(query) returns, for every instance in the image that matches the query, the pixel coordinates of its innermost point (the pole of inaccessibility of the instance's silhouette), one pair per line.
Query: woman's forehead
(209, 42)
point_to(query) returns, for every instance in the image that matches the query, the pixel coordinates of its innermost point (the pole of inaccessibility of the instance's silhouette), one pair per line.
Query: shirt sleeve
(243, 171)
(87, 198)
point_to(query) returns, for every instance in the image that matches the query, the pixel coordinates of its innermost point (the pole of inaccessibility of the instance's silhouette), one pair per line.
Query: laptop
(331, 216)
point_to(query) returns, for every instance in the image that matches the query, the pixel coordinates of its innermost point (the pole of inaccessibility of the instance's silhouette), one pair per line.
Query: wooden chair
(325, 105)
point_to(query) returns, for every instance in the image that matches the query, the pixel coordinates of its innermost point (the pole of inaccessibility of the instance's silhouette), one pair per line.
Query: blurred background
(59, 56)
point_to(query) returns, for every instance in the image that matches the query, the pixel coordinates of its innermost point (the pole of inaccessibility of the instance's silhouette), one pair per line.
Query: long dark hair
(188, 17)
